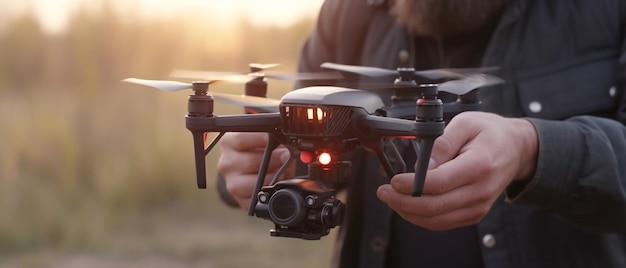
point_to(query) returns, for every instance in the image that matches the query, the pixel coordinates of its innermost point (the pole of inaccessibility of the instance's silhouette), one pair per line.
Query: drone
(319, 124)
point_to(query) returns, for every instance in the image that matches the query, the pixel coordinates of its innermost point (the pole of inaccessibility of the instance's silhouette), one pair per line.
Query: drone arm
(200, 126)
(272, 144)
(371, 125)
(268, 122)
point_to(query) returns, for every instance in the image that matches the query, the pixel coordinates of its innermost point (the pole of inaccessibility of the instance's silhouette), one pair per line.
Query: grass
(107, 179)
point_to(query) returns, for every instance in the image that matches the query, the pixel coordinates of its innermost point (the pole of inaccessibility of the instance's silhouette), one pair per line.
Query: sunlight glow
(53, 14)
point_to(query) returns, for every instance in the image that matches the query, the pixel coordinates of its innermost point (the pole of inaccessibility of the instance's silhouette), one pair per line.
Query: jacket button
(378, 244)
(612, 91)
(489, 241)
(535, 107)
(403, 56)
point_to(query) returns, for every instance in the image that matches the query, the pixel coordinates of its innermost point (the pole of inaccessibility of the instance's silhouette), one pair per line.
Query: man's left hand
(472, 163)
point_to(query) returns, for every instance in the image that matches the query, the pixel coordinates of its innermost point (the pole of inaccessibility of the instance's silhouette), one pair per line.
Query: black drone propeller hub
(429, 91)
(406, 74)
(200, 88)
(256, 87)
(200, 104)
(429, 108)
(406, 88)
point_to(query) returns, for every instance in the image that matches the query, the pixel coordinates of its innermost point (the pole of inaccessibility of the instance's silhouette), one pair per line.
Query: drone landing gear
(423, 157)
(423, 149)
(272, 144)
(201, 149)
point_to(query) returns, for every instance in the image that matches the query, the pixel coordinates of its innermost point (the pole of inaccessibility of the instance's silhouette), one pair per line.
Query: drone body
(338, 96)
(319, 124)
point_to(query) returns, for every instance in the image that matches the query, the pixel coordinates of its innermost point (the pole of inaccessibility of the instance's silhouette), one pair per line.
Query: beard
(438, 18)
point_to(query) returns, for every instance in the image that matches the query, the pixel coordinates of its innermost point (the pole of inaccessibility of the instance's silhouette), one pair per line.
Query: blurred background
(98, 173)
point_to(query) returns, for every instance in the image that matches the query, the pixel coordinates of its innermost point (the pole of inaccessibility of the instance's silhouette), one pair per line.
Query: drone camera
(300, 208)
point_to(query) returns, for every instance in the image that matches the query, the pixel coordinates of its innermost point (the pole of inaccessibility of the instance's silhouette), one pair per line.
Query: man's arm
(581, 166)
(581, 172)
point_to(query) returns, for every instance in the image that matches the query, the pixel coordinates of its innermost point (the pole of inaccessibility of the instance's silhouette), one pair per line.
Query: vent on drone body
(315, 120)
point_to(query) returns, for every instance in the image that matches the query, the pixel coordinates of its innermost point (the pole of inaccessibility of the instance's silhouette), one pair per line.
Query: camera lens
(332, 214)
(286, 207)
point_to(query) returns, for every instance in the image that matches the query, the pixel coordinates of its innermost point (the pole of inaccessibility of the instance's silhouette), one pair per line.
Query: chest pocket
(588, 88)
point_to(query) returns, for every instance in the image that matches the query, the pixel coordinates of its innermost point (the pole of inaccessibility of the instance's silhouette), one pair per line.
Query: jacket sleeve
(581, 167)
(581, 173)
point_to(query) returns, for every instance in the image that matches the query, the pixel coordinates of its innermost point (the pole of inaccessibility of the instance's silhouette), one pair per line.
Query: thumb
(461, 129)
(431, 164)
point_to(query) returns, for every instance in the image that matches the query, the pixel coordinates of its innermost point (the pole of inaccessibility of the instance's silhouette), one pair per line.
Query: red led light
(306, 157)
(324, 158)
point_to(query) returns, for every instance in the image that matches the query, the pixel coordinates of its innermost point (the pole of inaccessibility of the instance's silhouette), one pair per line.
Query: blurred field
(97, 173)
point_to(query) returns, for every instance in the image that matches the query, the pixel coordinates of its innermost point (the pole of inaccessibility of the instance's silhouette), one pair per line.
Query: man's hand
(472, 163)
(240, 161)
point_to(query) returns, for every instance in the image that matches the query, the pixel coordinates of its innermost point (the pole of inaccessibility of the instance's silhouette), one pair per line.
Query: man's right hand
(240, 161)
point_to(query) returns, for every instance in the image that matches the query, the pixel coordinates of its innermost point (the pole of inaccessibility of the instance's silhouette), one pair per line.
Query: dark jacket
(564, 62)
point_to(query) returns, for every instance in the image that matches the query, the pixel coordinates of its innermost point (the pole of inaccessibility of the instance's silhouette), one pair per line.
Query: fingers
(242, 187)
(474, 161)
(248, 162)
(461, 207)
(433, 205)
(450, 144)
(458, 218)
(467, 168)
(456, 193)
(244, 141)
(242, 154)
